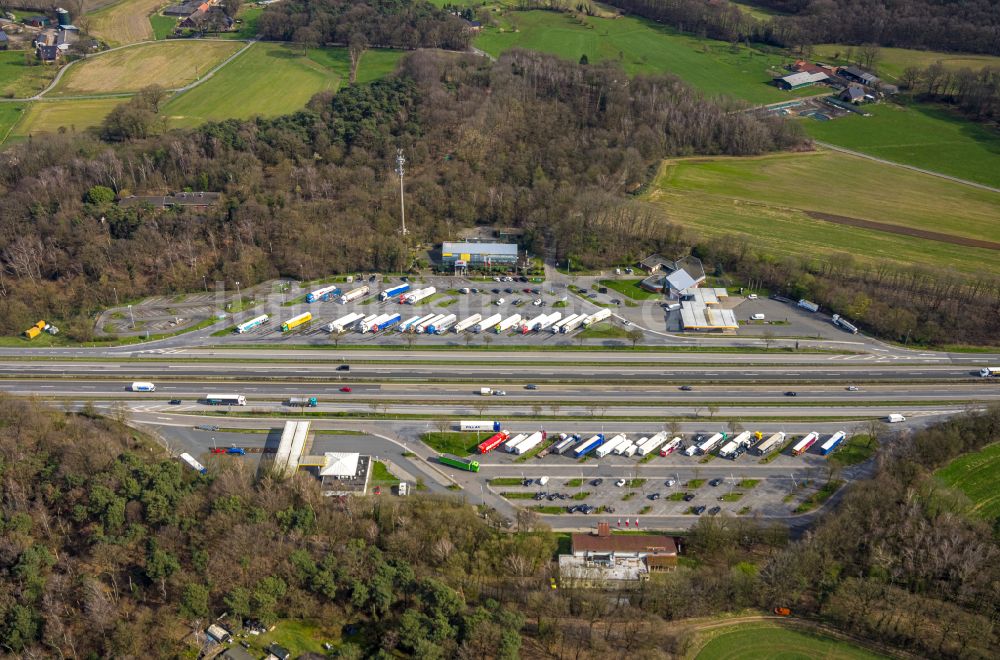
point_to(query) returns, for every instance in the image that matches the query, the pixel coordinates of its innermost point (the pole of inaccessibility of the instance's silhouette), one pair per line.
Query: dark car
(531, 386)
(609, 509)
(536, 291)
(175, 402)
(496, 290)
(526, 290)
(371, 278)
(654, 496)
(688, 497)
(698, 510)
(508, 290)
(715, 482)
(791, 394)
(344, 367)
(714, 510)
(597, 482)
(616, 301)
(538, 496)
(207, 427)
(686, 388)
(572, 509)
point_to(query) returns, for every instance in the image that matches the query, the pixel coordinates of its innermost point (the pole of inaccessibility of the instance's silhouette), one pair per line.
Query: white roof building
(340, 464)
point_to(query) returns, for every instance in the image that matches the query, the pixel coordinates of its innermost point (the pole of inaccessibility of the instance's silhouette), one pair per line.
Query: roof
(3, 36)
(680, 280)
(340, 464)
(854, 92)
(803, 78)
(236, 653)
(624, 543)
(48, 52)
(279, 651)
(507, 249)
(655, 261)
(858, 73)
(692, 266)
(697, 316)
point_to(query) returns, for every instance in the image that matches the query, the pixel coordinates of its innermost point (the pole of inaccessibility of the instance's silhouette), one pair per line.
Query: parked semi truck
(414, 297)
(322, 294)
(832, 443)
(588, 445)
(572, 325)
(255, 322)
(296, 321)
(467, 323)
(478, 425)
(423, 325)
(393, 320)
(370, 325)
(507, 323)
(609, 446)
(807, 305)
(405, 325)
(840, 321)
(422, 321)
(303, 401)
(736, 446)
(565, 444)
(650, 444)
(549, 320)
(803, 445)
(513, 442)
(493, 442)
(442, 324)
(770, 444)
(596, 317)
(529, 443)
(488, 323)
(339, 325)
(557, 326)
(532, 324)
(709, 445)
(466, 464)
(394, 291)
(671, 446)
(354, 294)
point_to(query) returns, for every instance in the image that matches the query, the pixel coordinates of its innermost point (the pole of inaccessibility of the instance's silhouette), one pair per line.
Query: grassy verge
(604, 330)
(674, 497)
(555, 510)
(635, 483)
(731, 497)
(694, 483)
(506, 481)
(856, 449)
(574, 483)
(381, 475)
(510, 495)
(581, 496)
(452, 442)
(819, 497)
(976, 475)
(748, 483)
(630, 288)
(627, 496)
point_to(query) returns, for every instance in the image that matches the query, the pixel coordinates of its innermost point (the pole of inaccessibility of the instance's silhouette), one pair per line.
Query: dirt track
(906, 231)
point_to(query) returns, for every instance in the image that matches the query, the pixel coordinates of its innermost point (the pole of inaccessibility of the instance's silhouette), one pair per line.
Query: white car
(853, 388)
(620, 483)
(537, 302)
(758, 317)
(752, 296)
(671, 483)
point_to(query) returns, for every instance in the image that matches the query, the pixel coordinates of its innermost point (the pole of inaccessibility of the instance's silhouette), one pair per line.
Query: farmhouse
(853, 94)
(687, 273)
(464, 255)
(601, 559)
(801, 66)
(800, 80)
(182, 199)
(856, 75)
(182, 10)
(47, 53)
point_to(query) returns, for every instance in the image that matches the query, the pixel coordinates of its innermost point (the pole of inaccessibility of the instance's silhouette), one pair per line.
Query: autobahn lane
(277, 391)
(486, 373)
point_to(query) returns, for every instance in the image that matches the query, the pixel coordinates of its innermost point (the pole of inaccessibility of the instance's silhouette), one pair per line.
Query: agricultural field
(977, 476)
(914, 218)
(50, 116)
(10, 113)
(770, 641)
(246, 86)
(923, 135)
(124, 22)
(170, 65)
(891, 61)
(714, 67)
(18, 80)
(162, 25)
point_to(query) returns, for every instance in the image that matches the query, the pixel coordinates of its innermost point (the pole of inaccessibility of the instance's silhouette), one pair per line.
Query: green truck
(466, 464)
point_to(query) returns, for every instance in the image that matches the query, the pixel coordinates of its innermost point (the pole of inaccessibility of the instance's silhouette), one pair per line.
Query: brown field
(124, 22)
(170, 64)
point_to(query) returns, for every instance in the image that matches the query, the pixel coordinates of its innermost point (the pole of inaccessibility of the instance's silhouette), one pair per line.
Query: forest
(406, 24)
(974, 93)
(968, 26)
(109, 548)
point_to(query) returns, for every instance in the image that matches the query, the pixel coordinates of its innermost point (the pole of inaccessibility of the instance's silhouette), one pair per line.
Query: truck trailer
(193, 464)
(840, 321)
(807, 305)
(339, 325)
(296, 321)
(478, 425)
(549, 320)
(442, 324)
(394, 291)
(588, 445)
(393, 320)
(770, 444)
(303, 401)
(557, 326)
(418, 295)
(529, 443)
(533, 324)
(709, 445)
(609, 446)
(573, 324)
(650, 444)
(255, 322)
(353, 294)
(507, 323)
(596, 317)
(487, 323)
(895, 418)
(832, 443)
(493, 442)
(424, 325)
(989, 372)
(736, 446)
(803, 445)
(513, 442)
(565, 444)
(414, 327)
(369, 325)
(467, 323)
(671, 446)
(405, 325)
(323, 294)
(466, 464)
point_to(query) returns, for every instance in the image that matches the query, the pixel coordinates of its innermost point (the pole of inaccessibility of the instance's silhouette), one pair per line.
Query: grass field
(169, 64)
(454, 442)
(162, 25)
(49, 116)
(641, 46)
(247, 86)
(9, 114)
(18, 80)
(766, 200)
(923, 135)
(750, 642)
(977, 475)
(630, 288)
(854, 450)
(892, 61)
(125, 22)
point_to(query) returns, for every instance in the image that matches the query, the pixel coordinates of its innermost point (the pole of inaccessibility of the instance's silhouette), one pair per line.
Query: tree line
(975, 93)
(404, 24)
(968, 26)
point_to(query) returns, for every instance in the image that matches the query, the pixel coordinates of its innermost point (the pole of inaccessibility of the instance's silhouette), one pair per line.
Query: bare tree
(768, 339)
(356, 47)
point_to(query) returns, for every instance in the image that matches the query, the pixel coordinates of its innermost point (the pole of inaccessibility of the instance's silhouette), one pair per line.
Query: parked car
(688, 497)
(620, 483)
(698, 510)
(508, 290)
(218, 450)
(752, 296)
(715, 482)
(609, 509)
(654, 496)
(714, 510)
(597, 482)
(670, 483)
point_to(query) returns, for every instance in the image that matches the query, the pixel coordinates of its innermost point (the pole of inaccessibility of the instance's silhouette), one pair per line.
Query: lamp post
(239, 296)
(132, 316)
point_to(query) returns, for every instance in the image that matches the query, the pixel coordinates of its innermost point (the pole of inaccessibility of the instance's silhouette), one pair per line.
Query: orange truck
(782, 611)
(35, 330)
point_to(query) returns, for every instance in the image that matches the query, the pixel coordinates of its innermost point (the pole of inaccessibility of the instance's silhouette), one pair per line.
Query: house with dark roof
(603, 559)
(182, 10)
(672, 277)
(856, 75)
(47, 53)
(853, 94)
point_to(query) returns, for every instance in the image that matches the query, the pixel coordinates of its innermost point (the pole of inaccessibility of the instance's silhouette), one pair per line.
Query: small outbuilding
(853, 94)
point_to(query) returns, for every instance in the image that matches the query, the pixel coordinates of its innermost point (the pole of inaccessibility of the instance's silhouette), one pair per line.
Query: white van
(758, 317)
(895, 417)
(542, 481)
(673, 307)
